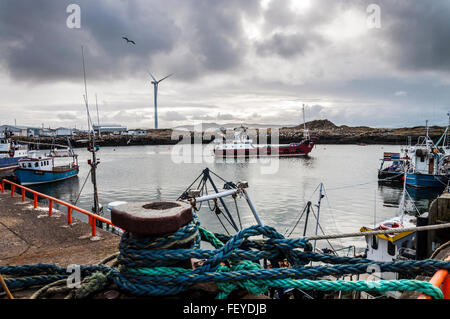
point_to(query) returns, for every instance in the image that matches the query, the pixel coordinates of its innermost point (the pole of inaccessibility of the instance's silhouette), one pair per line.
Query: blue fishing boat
(53, 167)
(428, 163)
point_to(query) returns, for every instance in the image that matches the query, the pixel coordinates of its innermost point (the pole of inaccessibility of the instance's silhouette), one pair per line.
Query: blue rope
(146, 265)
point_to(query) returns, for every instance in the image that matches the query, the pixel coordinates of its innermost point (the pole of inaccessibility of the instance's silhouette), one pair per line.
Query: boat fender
(388, 225)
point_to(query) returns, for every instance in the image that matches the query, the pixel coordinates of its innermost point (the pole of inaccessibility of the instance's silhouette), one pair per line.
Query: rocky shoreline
(323, 131)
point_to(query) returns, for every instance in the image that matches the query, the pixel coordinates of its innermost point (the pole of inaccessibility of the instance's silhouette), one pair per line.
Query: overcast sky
(252, 61)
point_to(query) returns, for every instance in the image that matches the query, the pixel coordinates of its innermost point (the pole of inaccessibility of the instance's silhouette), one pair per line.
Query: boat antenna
(92, 147)
(321, 195)
(305, 131)
(403, 202)
(447, 140)
(96, 106)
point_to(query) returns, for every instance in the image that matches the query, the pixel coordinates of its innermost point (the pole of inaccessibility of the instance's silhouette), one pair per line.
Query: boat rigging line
(93, 148)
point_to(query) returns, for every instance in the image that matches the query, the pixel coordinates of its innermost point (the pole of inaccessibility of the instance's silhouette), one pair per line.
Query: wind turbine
(155, 85)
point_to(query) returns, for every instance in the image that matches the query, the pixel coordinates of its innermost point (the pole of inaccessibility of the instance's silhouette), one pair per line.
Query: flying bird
(128, 40)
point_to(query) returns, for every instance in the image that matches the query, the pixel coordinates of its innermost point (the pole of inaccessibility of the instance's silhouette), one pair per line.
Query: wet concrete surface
(31, 236)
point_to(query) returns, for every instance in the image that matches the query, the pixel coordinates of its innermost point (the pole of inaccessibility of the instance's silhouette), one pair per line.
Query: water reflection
(391, 194)
(67, 189)
(417, 200)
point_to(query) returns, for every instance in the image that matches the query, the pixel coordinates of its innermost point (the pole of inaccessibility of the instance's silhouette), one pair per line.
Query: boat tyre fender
(11, 153)
(389, 225)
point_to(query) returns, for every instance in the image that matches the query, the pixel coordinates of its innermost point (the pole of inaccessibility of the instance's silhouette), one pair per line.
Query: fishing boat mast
(93, 148)
(305, 130)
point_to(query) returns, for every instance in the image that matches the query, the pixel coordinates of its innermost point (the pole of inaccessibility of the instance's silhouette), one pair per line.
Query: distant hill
(316, 125)
(206, 126)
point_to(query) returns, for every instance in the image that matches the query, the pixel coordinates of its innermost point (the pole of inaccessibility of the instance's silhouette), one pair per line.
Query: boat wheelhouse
(426, 164)
(387, 248)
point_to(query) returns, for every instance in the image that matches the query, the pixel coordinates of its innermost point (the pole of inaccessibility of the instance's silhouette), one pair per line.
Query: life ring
(11, 153)
(388, 225)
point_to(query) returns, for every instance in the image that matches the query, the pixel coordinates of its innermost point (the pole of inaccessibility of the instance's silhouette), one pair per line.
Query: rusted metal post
(35, 200)
(12, 190)
(69, 215)
(23, 195)
(50, 207)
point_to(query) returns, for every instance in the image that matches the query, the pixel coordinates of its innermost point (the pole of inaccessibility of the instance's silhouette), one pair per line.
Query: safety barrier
(441, 279)
(70, 208)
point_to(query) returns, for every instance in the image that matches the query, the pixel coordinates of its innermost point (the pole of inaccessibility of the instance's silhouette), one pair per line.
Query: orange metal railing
(441, 279)
(70, 208)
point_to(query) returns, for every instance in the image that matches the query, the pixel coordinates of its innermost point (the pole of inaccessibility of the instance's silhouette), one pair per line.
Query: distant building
(34, 131)
(137, 132)
(110, 129)
(47, 132)
(63, 131)
(16, 130)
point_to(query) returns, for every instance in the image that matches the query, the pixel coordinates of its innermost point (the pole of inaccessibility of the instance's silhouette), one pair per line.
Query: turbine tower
(155, 85)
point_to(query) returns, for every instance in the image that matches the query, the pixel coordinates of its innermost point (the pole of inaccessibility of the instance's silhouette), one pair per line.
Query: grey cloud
(418, 32)
(67, 116)
(288, 45)
(173, 116)
(38, 46)
(225, 117)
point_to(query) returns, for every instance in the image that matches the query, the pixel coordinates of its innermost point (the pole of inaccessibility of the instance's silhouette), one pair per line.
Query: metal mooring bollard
(151, 219)
(146, 220)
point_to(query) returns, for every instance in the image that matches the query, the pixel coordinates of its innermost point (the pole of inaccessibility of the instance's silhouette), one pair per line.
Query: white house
(109, 128)
(137, 133)
(63, 131)
(47, 132)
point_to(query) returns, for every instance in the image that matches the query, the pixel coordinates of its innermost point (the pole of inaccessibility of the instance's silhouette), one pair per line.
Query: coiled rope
(146, 266)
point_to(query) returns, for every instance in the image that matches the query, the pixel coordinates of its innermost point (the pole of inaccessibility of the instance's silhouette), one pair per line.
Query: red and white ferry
(242, 146)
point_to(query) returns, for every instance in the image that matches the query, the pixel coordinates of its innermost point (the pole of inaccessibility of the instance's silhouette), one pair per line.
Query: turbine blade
(152, 76)
(165, 77)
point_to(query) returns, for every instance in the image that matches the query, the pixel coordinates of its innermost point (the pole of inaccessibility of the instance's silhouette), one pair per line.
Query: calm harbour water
(348, 172)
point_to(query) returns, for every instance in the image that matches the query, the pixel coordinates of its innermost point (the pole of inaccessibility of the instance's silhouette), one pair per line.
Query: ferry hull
(296, 149)
(33, 177)
(427, 181)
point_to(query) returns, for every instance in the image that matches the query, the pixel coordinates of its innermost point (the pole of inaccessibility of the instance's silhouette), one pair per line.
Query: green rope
(91, 284)
(343, 285)
(211, 238)
(160, 271)
(258, 287)
(255, 287)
